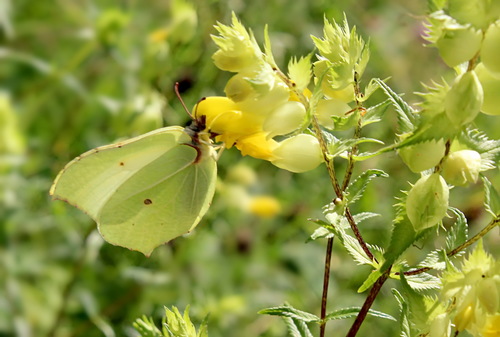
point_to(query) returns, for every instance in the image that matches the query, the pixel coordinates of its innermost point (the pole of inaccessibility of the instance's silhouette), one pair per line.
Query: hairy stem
(368, 303)
(326, 282)
(357, 234)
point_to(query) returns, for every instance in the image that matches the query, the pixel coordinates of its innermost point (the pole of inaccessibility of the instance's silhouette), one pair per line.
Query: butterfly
(144, 191)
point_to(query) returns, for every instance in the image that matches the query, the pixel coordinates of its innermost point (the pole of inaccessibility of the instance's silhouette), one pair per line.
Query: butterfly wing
(141, 192)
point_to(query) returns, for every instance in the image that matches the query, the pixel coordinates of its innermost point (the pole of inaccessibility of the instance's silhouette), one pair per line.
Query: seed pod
(464, 100)
(462, 167)
(491, 88)
(427, 201)
(458, 44)
(490, 48)
(422, 156)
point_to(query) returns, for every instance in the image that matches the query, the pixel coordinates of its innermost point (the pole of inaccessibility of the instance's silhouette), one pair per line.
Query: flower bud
(491, 88)
(458, 44)
(327, 108)
(427, 201)
(462, 167)
(464, 100)
(297, 154)
(491, 48)
(422, 156)
(440, 326)
(464, 317)
(488, 295)
(285, 119)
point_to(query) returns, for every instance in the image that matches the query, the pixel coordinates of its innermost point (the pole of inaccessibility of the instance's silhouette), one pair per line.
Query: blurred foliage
(78, 74)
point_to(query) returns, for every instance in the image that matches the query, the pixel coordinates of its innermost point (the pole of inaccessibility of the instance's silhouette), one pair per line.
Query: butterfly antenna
(176, 88)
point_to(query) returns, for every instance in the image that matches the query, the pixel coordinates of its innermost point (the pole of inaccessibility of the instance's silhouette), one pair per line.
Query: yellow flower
(235, 127)
(264, 206)
(475, 290)
(492, 326)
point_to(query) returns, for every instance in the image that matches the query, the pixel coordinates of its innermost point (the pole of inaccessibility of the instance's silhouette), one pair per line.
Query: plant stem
(357, 234)
(326, 282)
(495, 222)
(368, 303)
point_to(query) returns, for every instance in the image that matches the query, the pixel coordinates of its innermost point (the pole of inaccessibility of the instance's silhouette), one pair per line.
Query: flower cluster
(265, 113)
(259, 105)
(474, 294)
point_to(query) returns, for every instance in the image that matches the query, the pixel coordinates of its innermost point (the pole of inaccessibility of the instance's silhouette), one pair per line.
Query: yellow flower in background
(264, 206)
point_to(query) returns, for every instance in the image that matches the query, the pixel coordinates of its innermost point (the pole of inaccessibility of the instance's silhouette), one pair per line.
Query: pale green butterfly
(144, 191)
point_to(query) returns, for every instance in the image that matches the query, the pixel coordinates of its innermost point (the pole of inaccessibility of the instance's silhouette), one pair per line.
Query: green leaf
(300, 71)
(268, 51)
(435, 260)
(297, 328)
(374, 113)
(339, 147)
(417, 304)
(457, 234)
(407, 119)
(492, 198)
(404, 317)
(364, 216)
(403, 236)
(353, 312)
(372, 278)
(320, 233)
(288, 311)
(433, 127)
(356, 188)
(146, 327)
(203, 331)
(423, 281)
(341, 123)
(354, 249)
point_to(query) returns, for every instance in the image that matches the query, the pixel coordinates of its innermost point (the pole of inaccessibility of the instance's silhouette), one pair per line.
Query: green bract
(462, 167)
(479, 13)
(491, 90)
(327, 108)
(422, 156)
(457, 43)
(490, 49)
(427, 201)
(464, 100)
(342, 53)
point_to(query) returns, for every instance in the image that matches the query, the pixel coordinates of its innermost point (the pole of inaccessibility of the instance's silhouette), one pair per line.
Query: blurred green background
(79, 74)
